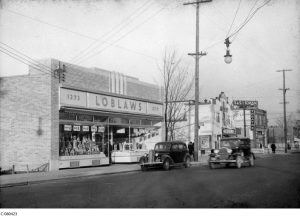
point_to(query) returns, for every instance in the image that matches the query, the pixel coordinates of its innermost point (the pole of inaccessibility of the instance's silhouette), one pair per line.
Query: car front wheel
(166, 164)
(187, 162)
(239, 162)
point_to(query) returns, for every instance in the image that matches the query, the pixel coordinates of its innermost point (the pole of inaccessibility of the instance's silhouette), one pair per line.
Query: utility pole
(244, 113)
(284, 108)
(197, 54)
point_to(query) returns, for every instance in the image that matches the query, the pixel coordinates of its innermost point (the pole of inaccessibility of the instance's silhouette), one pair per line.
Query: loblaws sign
(81, 99)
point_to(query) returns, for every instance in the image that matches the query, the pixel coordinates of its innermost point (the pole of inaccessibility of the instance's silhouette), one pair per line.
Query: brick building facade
(37, 114)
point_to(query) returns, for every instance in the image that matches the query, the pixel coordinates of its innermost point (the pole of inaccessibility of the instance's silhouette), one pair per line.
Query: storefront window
(87, 134)
(80, 140)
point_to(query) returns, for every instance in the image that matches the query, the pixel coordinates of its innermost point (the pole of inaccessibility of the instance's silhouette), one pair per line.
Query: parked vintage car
(233, 151)
(166, 155)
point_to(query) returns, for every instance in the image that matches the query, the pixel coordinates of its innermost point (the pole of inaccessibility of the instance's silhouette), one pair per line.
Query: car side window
(180, 146)
(184, 147)
(175, 147)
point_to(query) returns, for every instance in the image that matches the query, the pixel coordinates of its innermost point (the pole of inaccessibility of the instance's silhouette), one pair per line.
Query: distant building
(219, 118)
(215, 122)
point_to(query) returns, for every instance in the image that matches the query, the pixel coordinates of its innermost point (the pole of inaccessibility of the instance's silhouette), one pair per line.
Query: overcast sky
(130, 36)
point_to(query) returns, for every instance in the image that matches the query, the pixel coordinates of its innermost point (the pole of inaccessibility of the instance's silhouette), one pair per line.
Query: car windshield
(162, 146)
(231, 143)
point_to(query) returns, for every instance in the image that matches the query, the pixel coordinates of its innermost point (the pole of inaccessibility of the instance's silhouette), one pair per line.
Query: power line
(248, 19)
(22, 60)
(235, 36)
(234, 17)
(73, 32)
(124, 35)
(118, 27)
(46, 67)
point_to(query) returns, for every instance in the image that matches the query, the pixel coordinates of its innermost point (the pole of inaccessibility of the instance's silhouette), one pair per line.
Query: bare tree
(177, 84)
(290, 121)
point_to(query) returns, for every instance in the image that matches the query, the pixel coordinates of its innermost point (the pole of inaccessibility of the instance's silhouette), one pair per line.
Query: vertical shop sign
(76, 128)
(67, 127)
(252, 116)
(85, 128)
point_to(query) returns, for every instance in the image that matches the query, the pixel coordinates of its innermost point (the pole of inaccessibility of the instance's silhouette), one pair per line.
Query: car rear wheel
(143, 167)
(239, 162)
(251, 160)
(166, 164)
(187, 162)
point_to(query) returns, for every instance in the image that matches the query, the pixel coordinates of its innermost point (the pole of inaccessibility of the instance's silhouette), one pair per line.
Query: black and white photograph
(111, 105)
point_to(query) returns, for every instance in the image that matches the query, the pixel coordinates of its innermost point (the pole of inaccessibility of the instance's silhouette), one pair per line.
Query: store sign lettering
(67, 127)
(228, 131)
(85, 128)
(245, 104)
(101, 129)
(73, 98)
(76, 128)
(121, 104)
(97, 101)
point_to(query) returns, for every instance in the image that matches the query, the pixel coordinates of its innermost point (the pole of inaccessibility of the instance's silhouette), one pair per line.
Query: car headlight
(156, 154)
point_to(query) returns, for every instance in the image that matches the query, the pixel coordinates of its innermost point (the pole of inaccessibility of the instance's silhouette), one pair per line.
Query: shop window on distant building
(238, 131)
(218, 117)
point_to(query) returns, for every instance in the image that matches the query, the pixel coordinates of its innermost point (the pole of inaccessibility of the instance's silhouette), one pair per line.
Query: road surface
(274, 182)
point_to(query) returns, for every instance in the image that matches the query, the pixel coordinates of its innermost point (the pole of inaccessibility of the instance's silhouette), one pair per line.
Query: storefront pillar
(53, 165)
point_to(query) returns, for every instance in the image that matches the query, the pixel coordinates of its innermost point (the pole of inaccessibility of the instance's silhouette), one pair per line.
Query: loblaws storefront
(104, 128)
(91, 117)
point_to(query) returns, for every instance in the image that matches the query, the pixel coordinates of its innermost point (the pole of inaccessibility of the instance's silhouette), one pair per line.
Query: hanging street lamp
(227, 57)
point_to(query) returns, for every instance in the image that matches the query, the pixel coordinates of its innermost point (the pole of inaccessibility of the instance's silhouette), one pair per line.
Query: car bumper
(152, 164)
(221, 161)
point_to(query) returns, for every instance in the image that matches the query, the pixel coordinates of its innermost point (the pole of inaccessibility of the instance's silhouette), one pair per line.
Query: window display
(80, 140)
(87, 134)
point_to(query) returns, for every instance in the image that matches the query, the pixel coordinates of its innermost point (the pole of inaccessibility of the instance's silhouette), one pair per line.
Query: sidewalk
(31, 178)
(38, 177)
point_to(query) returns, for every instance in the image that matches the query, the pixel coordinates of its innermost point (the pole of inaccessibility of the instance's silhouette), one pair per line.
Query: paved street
(273, 183)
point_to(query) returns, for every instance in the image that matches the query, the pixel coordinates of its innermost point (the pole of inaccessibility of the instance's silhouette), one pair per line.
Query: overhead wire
(23, 60)
(73, 32)
(123, 24)
(124, 35)
(248, 15)
(248, 18)
(31, 59)
(234, 18)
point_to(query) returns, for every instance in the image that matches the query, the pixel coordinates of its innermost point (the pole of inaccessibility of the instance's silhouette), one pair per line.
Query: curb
(60, 179)
(198, 164)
